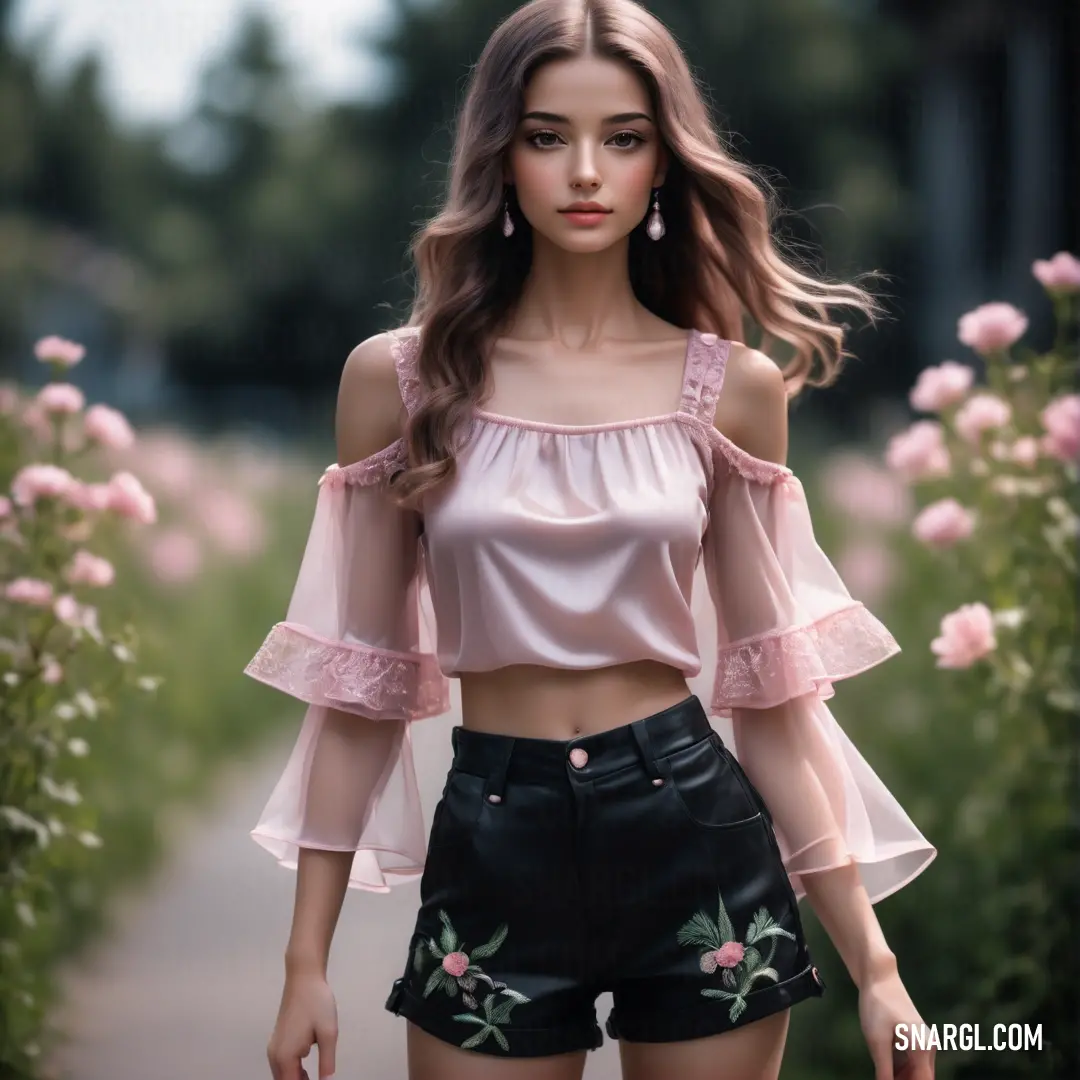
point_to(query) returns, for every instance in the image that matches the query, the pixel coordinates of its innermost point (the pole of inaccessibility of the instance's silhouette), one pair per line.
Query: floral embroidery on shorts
(740, 964)
(457, 970)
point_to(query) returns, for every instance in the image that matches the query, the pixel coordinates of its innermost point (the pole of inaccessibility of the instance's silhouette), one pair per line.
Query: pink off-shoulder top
(575, 547)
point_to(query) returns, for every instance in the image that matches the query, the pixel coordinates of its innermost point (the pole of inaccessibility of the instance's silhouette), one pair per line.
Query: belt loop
(641, 736)
(496, 783)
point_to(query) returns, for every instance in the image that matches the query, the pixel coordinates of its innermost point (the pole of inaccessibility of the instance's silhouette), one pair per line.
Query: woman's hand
(308, 1015)
(884, 1003)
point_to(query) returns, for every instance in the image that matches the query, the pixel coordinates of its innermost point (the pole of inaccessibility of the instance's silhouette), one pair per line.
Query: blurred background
(215, 197)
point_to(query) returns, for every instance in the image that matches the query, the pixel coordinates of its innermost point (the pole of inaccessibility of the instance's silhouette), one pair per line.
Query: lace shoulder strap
(405, 344)
(703, 375)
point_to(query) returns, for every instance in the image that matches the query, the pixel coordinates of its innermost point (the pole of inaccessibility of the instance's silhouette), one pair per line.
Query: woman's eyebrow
(555, 118)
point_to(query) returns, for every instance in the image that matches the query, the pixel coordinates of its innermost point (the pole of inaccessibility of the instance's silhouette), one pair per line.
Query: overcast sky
(154, 48)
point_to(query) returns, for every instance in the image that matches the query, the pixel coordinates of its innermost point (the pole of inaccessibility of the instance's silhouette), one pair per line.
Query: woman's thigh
(751, 1052)
(432, 1059)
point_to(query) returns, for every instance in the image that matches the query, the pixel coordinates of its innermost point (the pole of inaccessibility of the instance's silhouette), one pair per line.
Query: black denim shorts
(639, 860)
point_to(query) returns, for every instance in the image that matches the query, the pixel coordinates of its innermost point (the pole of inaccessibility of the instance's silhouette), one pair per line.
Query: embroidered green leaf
(728, 979)
(469, 999)
(475, 1040)
(751, 959)
(467, 981)
(435, 950)
(768, 957)
(493, 945)
(451, 987)
(722, 994)
(435, 980)
(699, 930)
(470, 1018)
(501, 1014)
(723, 923)
(500, 1038)
(448, 940)
(761, 973)
(737, 1008)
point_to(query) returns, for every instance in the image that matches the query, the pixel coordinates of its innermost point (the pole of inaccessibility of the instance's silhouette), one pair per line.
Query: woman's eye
(537, 135)
(633, 136)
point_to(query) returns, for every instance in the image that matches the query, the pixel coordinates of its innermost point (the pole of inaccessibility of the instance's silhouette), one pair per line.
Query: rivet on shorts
(658, 781)
(495, 798)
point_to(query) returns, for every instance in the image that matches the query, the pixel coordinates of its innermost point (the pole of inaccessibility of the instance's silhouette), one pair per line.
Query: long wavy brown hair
(718, 265)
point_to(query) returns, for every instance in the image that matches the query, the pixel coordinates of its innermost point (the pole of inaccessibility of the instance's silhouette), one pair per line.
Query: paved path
(189, 986)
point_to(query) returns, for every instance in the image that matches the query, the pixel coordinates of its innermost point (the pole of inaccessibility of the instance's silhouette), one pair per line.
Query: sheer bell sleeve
(786, 630)
(358, 638)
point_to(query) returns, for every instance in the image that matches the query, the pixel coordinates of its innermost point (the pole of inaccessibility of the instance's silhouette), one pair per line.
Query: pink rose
(1025, 451)
(867, 568)
(232, 521)
(967, 635)
(865, 491)
(1061, 418)
(33, 482)
(58, 350)
(992, 327)
(939, 387)
(87, 569)
(1061, 274)
(943, 523)
(729, 954)
(456, 964)
(175, 557)
(128, 498)
(920, 452)
(27, 590)
(981, 412)
(68, 610)
(37, 422)
(108, 427)
(89, 497)
(60, 398)
(51, 671)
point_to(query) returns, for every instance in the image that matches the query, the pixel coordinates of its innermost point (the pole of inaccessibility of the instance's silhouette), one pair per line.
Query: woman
(540, 460)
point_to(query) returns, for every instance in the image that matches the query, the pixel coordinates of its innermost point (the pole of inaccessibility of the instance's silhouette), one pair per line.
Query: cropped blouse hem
(379, 684)
(768, 669)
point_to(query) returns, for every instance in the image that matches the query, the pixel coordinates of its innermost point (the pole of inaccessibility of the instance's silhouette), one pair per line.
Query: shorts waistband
(584, 757)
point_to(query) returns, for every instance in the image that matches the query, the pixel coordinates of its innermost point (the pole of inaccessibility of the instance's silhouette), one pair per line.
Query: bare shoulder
(752, 408)
(370, 413)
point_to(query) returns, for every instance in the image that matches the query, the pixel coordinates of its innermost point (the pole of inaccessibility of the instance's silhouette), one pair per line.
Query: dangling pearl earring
(508, 221)
(655, 227)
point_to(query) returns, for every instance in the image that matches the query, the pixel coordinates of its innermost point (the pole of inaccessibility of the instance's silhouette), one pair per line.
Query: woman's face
(587, 134)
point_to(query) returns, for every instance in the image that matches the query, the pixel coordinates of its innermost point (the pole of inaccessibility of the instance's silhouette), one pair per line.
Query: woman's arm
(368, 418)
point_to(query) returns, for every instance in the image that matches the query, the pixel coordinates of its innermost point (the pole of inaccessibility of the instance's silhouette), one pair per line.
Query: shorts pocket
(707, 788)
(458, 809)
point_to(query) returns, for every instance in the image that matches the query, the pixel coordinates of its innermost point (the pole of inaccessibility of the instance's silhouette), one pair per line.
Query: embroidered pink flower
(943, 523)
(992, 327)
(981, 412)
(864, 491)
(58, 350)
(60, 398)
(128, 498)
(939, 387)
(1061, 418)
(967, 635)
(456, 964)
(108, 427)
(87, 569)
(729, 954)
(1061, 274)
(33, 482)
(28, 590)
(920, 452)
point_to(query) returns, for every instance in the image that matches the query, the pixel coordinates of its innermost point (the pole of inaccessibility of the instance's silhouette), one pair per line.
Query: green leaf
(761, 973)
(699, 930)
(723, 923)
(475, 1040)
(435, 980)
(751, 959)
(1067, 699)
(493, 945)
(470, 1018)
(448, 939)
(451, 987)
(500, 1038)
(722, 994)
(435, 950)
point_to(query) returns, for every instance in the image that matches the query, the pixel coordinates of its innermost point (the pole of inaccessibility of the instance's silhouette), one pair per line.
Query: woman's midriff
(535, 702)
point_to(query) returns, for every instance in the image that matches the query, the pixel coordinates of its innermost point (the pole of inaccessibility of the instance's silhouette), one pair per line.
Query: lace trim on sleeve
(404, 352)
(376, 683)
(369, 471)
(767, 670)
